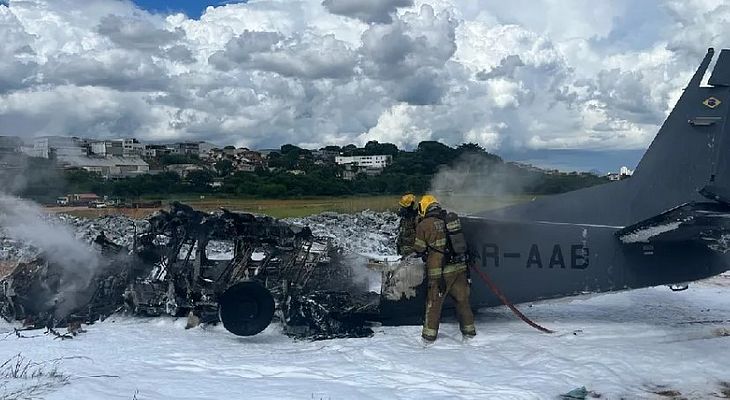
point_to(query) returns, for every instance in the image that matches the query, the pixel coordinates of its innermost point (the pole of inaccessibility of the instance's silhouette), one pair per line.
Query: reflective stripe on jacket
(431, 239)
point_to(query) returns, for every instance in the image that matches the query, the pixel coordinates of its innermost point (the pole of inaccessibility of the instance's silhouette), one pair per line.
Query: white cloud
(538, 74)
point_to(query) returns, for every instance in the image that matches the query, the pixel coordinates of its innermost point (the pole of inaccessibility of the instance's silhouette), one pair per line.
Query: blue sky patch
(191, 8)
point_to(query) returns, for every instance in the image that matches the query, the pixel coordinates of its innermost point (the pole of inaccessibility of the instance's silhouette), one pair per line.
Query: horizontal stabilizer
(705, 222)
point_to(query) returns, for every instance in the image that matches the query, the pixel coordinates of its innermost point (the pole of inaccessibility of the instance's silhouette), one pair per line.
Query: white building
(369, 162)
(129, 147)
(109, 166)
(107, 148)
(56, 146)
(625, 171)
(132, 147)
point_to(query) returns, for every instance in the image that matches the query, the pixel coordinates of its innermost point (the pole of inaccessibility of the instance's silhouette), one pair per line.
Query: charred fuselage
(236, 268)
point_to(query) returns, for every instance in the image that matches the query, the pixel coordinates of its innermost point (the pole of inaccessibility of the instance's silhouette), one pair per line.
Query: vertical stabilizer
(689, 160)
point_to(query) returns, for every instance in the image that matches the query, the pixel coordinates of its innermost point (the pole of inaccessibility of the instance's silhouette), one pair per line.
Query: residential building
(204, 148)
(131, 147)
(625, 171)
(327, 156)
(253, 157)
(369, 165)
(156, 150)
(56, 146)
(107, 148)
(183, 169)
(244, 167)
(369, 162)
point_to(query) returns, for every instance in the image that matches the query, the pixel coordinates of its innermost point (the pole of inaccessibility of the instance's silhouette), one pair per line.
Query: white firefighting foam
(624, 345)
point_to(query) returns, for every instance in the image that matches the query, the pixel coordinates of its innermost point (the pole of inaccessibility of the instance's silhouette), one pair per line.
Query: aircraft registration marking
(577, 257)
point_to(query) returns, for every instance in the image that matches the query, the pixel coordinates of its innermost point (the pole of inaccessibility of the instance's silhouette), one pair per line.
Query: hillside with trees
(296, 172)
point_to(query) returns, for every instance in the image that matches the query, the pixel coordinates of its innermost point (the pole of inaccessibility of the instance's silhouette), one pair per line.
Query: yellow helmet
(426, 202)
(407, 200)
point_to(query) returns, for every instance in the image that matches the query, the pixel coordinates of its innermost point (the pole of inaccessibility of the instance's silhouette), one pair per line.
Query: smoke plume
(477, 183)
(25, 222)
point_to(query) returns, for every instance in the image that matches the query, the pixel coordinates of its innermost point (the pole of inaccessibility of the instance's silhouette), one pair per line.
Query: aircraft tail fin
(689, 159)
(687, 162)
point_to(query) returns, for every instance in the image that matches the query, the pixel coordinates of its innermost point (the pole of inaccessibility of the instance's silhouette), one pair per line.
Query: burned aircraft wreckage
(272, 270)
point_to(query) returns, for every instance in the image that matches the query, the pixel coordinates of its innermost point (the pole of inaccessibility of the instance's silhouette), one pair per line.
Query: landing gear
(246, 308)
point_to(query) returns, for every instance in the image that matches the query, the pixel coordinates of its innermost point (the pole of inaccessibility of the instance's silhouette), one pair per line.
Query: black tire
(246, 308)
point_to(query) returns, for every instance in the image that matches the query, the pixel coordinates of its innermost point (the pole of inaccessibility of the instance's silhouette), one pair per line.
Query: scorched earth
(648, 344)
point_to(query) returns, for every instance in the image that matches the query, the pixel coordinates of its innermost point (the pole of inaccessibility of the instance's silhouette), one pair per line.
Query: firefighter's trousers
(456, 286)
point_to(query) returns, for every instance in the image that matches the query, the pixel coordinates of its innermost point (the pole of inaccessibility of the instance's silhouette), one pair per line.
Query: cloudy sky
(510, 75)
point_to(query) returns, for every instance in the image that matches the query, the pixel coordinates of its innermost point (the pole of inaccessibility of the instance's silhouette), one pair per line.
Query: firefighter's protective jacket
(431, 240)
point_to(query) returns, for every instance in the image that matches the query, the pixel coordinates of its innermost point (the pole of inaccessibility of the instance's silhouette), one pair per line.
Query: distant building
(200, 149)
(204, 148)
(185, 148)
(328, 156)
(107, 148)
(253, 157)
(131, 147)
(56, 146)
(183, 169)
(369, 165)
(624, 172)
(370, 162)
(108, 167)
(244, 167)
(156, 150)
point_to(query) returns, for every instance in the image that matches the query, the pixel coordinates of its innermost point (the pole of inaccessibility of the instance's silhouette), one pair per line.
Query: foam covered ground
(625, 345)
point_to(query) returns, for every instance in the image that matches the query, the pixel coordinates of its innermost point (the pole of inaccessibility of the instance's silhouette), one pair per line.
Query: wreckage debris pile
(118, 229)
(324, 314)
(366, 232)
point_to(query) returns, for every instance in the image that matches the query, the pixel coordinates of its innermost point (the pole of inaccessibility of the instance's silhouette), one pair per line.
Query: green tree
(224, 167)
(200, 180)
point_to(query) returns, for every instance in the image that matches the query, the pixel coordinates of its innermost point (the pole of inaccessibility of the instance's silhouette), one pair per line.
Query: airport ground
(288, 208)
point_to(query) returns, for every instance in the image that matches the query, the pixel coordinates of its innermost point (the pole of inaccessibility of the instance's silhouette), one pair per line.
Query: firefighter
(445, 267)
(407, 227)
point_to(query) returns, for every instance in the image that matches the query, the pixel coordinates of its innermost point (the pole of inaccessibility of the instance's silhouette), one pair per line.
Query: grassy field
(302, 207)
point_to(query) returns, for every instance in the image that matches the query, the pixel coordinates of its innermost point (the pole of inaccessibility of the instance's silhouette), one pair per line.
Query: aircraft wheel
(246, 308)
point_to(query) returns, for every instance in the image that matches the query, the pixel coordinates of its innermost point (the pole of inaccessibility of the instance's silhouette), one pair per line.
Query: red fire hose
(506, 302)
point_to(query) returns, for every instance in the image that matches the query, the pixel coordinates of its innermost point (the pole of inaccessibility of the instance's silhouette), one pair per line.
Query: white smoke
(477, 183)
(26, 222)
